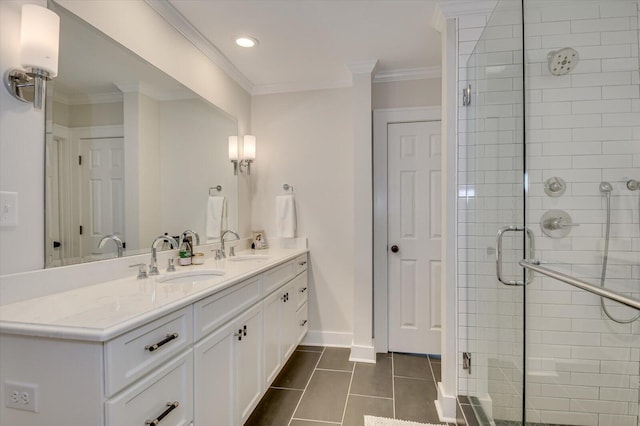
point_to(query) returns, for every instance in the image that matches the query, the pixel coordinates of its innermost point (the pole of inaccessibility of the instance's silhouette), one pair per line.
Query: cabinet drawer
(212, 312)
(301, 263)
(278, 276)
(303, 321)
(301, 289)
(153, 396)
(132, 355)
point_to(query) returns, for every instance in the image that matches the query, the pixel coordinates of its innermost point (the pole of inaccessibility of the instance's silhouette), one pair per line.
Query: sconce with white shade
(39, 45)
(248, 153)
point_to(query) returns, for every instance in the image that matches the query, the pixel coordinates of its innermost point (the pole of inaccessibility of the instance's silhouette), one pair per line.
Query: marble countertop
(103, 311)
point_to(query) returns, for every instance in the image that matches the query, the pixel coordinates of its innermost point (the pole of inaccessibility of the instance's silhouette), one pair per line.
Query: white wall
(21, 157)
(305, 139)
(22, 129)
(407, 93)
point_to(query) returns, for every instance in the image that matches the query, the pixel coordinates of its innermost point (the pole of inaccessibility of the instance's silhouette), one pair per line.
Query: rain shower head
(562, 61)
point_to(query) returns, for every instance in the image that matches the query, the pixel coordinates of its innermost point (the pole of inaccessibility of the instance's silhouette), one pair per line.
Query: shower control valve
(556, 223)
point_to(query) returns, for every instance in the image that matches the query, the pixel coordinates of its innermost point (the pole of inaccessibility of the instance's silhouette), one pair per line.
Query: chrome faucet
(194, 234)
(116, 240)
(231, 252)
(153, 266)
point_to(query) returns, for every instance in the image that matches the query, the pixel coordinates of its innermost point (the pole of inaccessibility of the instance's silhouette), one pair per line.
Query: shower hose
(605, 258)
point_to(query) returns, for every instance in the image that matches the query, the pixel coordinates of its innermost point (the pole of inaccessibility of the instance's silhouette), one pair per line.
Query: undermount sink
(190, 276)
(244, 257)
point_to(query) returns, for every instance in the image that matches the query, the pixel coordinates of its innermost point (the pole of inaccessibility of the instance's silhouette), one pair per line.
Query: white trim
(365, 354)
(327, 338)
(438, 20)
(381, 119)
(98, 98)
(455, 8)
(191, 33)
(363, 67)
(269, 89)
(445, 404)
(408, 74)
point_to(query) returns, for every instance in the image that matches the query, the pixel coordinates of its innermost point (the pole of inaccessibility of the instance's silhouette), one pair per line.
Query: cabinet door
(249, 361)
(272, 330)
(288, 321)
(215, 378)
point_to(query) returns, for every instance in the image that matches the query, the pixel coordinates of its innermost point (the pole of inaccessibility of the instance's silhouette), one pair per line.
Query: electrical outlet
(21, 396)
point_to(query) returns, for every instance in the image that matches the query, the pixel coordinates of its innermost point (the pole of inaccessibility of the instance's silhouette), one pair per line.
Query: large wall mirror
(129, 152)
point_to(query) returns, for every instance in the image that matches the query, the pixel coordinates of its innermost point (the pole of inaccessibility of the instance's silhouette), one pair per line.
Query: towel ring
(217, 188)
(287, 187)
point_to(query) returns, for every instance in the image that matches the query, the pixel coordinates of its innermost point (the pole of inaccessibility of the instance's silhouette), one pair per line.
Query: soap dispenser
(185, 252)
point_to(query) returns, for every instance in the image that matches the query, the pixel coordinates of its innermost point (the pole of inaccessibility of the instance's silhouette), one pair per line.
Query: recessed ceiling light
(246, 41)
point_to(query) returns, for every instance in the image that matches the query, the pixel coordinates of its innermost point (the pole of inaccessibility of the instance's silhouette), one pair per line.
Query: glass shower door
(491, 202)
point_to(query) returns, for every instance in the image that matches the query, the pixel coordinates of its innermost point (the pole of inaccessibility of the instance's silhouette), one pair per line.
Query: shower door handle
(529, 237)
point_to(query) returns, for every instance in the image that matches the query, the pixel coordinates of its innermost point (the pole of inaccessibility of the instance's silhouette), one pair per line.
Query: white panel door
(414, 234)
(102, 192)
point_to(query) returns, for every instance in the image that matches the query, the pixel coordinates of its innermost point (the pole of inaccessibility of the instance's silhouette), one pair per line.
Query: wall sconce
(39, 44)
(248, 153)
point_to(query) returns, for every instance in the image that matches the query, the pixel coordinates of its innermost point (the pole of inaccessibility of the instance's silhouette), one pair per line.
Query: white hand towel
(216, 216)
(286, 216)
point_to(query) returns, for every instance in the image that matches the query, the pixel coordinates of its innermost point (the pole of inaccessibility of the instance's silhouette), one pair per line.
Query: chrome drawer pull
(304, 262)
(302, 290)
(303, 323)
(172, 406)
(162, 342)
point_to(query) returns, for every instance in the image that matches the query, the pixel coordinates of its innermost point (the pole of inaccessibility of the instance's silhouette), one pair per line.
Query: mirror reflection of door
(102, 191)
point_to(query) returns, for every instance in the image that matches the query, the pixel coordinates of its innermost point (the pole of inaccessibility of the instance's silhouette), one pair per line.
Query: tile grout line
(371, 396)
(305, 387)
(393, 383)
(344, 411)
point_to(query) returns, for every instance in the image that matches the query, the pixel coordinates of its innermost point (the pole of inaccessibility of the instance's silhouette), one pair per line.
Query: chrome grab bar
(501, 232)
(534, 265)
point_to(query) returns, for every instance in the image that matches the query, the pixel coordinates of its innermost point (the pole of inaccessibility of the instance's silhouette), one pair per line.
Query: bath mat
(383, 421)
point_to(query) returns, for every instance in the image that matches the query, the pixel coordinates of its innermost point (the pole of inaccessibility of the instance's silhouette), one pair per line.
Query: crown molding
(363, 67)
(191, 33)
(154, 93)
(438, 20)
(97, 98)
(454, 8)
(269, 89)
(408, 74)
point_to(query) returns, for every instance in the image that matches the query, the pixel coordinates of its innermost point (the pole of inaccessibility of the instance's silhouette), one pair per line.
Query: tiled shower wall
(585, 128)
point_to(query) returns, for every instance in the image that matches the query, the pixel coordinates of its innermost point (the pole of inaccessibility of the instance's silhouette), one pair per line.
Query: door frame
(381, 120)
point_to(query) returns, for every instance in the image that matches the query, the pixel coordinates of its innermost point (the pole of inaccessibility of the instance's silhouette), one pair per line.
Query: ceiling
(307, 44)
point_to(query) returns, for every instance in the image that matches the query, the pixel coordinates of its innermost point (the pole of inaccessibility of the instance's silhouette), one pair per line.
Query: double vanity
(197, 346)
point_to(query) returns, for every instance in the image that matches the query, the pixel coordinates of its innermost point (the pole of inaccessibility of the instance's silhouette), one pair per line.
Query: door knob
(395, 248)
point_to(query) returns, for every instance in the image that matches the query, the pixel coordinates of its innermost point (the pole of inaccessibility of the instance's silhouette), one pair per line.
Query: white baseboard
(327, 338)
(445, 406)
(363, 354)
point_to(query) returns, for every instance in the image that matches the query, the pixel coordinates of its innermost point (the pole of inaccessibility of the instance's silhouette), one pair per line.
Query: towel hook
(217, 188)
(287, 187)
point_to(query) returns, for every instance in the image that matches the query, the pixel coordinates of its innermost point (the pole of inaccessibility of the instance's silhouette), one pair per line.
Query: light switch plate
(8, 208)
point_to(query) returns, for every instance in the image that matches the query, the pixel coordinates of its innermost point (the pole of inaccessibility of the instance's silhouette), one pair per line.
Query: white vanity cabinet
(282, 319)
(205, 363)
(228, 365)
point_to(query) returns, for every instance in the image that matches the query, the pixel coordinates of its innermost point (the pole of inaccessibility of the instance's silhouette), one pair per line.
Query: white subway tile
(619, 8)
(599, 25)
(597, 406)
(604, 52)
(560, 41)
(601, 79)
(618, 37)
(546, 28)
(571, 94)
(564, 417)
(601, 106)
(617, 420)
(621, 92)
(601, 161)
(602, 134)
(620, 64)
(618, 120)
(567, 13)
(572, 121)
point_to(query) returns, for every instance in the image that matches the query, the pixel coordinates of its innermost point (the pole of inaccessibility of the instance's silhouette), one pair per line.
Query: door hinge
(466, 361)
(80, 229)
(79, 160)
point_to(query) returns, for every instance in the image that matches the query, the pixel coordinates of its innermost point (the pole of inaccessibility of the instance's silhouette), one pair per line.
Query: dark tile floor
(320, 386)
